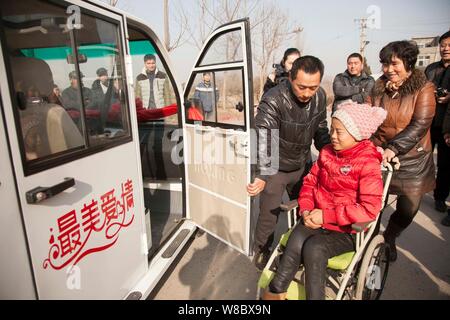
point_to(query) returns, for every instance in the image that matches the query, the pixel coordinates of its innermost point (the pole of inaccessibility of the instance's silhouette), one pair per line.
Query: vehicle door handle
(39, 194)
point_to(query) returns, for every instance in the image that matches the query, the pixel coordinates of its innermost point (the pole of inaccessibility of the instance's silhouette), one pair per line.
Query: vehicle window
(67, 83)
(217, 97)
(102, 81)
(226, 48)
(152, 83)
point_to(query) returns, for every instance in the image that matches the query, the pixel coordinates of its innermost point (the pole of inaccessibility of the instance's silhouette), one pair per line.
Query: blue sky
(330, 31)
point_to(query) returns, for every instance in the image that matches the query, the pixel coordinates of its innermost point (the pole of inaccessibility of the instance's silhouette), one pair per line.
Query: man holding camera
(290, 116)
(439, 74)
(353, 84)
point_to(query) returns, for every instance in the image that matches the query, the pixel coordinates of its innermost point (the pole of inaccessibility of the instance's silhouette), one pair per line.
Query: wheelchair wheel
(373, 271)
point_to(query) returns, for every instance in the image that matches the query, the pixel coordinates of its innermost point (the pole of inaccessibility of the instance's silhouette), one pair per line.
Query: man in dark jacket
(439, 74)
(102, 99)
(208, 96)
(353, 84)
(100, 86)
(289, 117)
(446, 132)
(71, 99)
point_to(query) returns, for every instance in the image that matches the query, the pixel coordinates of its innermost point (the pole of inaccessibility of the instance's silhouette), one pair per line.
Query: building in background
(428, 51)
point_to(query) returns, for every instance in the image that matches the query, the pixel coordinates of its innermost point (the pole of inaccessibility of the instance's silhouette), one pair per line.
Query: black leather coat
(296, 124)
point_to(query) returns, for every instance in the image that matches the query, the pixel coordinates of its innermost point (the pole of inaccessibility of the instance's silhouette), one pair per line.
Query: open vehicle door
(216, 121)
(75, 161)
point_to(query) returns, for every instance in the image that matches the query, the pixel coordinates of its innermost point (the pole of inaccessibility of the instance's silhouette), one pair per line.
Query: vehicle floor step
(175, 243)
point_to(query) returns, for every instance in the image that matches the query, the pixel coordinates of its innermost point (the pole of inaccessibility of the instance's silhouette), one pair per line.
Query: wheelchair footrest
(296, 291)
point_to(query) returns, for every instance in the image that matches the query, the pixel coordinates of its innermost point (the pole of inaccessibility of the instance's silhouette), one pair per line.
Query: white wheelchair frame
(365, 244)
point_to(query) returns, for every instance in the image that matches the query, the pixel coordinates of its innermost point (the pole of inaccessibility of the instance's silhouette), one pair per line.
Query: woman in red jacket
(343, 187)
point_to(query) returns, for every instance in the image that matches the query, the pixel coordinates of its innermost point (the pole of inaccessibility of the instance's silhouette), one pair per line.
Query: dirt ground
(210, 270)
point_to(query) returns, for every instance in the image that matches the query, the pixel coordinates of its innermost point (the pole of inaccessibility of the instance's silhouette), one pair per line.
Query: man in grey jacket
(353, 84)
(152, 85)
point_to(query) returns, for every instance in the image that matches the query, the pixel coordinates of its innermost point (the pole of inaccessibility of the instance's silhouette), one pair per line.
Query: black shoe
(392, 251)
(440, 205)
(391, 233)
(446, 220)
(260, 259)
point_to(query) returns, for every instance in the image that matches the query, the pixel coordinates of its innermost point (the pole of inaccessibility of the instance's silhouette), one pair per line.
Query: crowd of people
(398, 118)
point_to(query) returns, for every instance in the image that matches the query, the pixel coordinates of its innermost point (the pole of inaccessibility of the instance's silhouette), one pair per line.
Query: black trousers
(442, 189)
(405, 211)
(312, 248)
(269, 205)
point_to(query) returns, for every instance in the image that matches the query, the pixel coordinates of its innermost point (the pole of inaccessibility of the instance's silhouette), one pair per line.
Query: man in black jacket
(353, 84)
(439, 74)
(446, 132)
(289, 117)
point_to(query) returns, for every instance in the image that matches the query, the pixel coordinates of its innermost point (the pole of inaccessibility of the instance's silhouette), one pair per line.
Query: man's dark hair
(287, 53)
(444, 36)
(149, 57)
(407, 51)
(355, 55)
(308, 64)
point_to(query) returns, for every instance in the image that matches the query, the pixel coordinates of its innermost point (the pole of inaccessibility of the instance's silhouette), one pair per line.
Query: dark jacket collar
(348, 75)
(294, 98)
(414, 83)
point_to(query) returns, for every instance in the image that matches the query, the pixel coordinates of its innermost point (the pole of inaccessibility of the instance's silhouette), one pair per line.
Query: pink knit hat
(360, 120)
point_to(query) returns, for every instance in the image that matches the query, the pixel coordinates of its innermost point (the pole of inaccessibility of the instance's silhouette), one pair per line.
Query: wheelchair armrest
(361, 226)
(289, 205)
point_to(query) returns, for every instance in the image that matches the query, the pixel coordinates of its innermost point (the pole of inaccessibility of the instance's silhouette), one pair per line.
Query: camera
(280, 72)
(441, 92)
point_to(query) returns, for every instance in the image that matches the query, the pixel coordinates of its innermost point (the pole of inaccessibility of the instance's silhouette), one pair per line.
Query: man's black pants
(269, 205)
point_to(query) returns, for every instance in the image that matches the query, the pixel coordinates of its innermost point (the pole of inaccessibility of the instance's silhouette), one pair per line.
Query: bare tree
(270, 28)
(181, 19)
(268, 38)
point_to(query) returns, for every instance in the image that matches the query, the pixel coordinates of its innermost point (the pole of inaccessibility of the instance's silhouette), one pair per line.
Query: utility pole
(297, 33)
(362, 35)
(166, 25)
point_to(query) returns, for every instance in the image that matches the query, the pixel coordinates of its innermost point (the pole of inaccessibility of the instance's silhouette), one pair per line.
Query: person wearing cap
(343, 187)
(71, 98)
(100, 86)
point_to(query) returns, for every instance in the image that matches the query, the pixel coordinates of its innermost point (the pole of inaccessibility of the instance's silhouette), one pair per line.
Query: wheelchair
(355, 275)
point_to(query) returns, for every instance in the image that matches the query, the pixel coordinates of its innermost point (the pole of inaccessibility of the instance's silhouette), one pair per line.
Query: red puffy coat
(346, 185)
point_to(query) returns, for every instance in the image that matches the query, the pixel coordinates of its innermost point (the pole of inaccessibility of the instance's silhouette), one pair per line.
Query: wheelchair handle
(388, 166)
